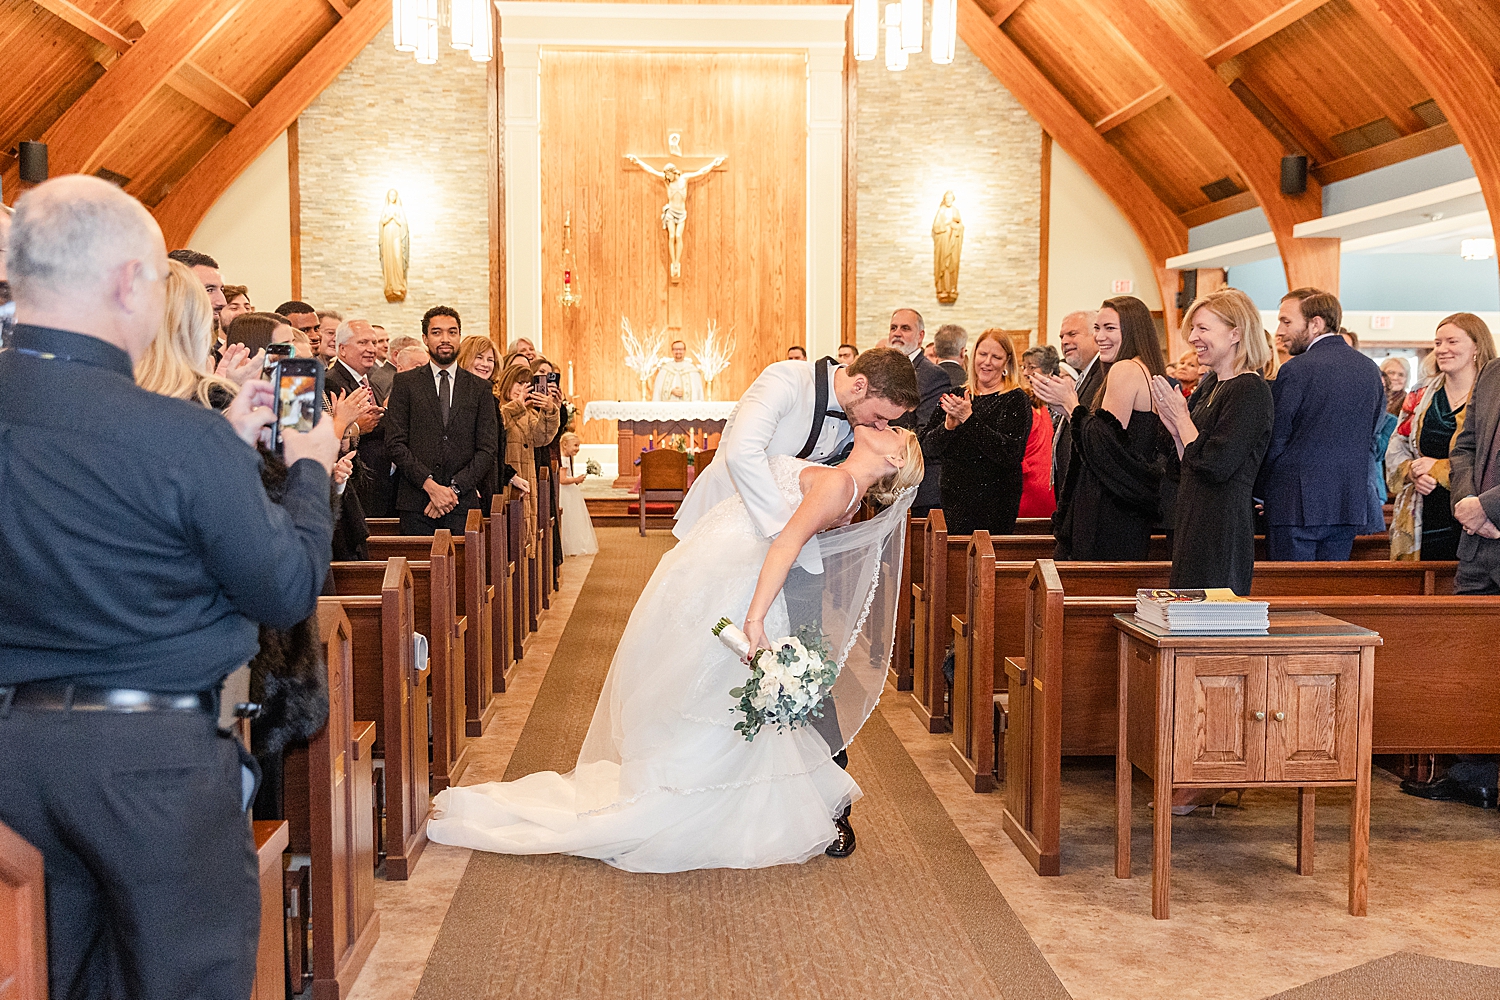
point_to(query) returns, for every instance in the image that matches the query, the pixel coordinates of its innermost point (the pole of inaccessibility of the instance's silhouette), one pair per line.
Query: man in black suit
(1315, 478)
(353, 369)
(1081, 352)
(906, 335)
(950, 342)
(442, 432)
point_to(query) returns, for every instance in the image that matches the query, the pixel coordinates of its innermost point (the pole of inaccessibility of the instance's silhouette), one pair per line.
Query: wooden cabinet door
(1219, 719)
(1312, 717)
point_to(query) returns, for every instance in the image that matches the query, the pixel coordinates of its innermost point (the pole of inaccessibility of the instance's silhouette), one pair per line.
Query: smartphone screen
(299, 396)
(538, 383)
(554, 379)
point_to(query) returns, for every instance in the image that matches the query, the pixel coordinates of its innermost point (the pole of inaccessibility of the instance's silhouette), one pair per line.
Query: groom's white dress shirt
(773, 417)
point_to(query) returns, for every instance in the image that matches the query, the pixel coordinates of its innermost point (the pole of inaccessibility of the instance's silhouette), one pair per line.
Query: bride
(664, 783)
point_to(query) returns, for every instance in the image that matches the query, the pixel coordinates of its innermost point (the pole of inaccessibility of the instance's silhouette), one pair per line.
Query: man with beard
(441, 431)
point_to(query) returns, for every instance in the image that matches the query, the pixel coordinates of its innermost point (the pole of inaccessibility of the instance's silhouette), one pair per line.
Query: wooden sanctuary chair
(703, 460)
(663, 479)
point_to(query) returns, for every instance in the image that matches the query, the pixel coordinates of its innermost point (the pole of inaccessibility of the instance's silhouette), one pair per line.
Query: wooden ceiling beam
(1255, 152)
(341, 8)
(1005, 9)
(190, 80)
(1145, 102)
(1161, 233)
(190, 198)
(1282, 17)
(1461, 77)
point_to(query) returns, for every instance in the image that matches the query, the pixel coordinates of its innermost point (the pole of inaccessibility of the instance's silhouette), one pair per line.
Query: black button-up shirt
(137, 545)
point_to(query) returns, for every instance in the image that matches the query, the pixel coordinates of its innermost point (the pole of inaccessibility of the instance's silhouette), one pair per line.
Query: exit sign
(1382, 321)
(1124, 286)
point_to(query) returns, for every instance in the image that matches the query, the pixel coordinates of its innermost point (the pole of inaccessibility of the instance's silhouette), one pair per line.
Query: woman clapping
(1221, 436)
(980, 436)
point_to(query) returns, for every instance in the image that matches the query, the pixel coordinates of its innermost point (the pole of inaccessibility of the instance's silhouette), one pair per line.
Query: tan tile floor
(1244, 924)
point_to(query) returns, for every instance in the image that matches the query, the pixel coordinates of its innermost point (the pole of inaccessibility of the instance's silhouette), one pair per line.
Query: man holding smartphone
(141, 551)
(441, 432)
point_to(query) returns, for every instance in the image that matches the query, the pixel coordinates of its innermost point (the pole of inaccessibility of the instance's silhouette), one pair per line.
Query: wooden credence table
(1292, 708)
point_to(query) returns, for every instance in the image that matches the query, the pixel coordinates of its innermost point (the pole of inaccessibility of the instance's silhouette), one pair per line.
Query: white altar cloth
(614, 409)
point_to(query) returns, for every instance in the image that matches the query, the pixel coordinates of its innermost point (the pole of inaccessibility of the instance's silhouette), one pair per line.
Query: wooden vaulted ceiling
(1180, 109)
(172, 99)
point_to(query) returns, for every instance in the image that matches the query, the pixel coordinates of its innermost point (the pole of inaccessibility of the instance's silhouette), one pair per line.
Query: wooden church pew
(270, 951)
(546, 531)
(475, 597)
(23, 919)
(434, 586)
(391, 688)
(329, 795)
(1064, 691)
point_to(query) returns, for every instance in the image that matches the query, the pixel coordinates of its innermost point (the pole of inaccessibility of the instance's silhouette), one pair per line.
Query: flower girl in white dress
(577, 530)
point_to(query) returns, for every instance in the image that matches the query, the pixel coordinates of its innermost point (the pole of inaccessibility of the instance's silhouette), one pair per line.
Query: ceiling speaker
(1293, 174)
(33, 162)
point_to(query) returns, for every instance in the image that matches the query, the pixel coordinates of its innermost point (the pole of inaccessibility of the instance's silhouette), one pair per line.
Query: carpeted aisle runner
(911, 915)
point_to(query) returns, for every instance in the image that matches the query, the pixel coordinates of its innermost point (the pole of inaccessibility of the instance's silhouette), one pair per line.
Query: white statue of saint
(674, 212)
(395, 247)
(678, 380)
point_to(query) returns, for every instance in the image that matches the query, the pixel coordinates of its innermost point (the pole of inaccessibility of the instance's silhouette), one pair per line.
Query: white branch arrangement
(713, 357)
(642, 354)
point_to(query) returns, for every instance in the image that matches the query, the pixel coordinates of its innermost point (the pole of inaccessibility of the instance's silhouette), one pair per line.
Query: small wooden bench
(391, 688)
(434, 586)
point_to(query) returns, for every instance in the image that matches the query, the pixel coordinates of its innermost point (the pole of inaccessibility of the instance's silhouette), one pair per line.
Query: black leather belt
(47, 696)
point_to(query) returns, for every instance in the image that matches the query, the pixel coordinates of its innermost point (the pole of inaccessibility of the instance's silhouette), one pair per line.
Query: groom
(809, 410)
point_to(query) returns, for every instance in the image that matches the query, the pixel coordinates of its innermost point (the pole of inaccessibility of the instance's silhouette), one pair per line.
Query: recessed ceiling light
(1476, 249)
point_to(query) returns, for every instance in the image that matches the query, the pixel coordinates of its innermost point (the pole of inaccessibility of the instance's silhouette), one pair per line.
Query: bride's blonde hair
(885, 491)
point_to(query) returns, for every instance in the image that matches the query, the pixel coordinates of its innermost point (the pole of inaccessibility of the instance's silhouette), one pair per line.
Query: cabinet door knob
(1260, 716)
(1280, 716)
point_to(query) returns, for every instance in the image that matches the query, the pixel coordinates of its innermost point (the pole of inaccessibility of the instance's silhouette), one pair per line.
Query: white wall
(1091, 246)
(248, 230)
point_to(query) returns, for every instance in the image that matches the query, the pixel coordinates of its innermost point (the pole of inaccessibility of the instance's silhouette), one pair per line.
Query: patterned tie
(443, 395)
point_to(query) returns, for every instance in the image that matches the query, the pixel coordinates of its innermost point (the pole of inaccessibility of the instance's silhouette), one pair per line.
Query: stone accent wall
(387, 122)
(930, 129)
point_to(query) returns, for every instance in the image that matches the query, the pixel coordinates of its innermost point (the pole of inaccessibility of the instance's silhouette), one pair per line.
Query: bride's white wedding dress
(664, 783)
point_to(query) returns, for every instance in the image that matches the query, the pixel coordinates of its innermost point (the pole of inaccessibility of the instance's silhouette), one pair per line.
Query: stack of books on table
(1201, 612)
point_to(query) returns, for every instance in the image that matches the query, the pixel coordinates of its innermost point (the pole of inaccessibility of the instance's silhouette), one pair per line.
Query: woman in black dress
(980, 437)
(1221, 436)
(1112, 495)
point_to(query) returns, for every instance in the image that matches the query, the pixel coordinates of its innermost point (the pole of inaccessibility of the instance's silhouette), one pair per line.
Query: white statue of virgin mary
(395, 247)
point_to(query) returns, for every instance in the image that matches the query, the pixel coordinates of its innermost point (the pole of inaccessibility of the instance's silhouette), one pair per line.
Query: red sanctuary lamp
(569, 297)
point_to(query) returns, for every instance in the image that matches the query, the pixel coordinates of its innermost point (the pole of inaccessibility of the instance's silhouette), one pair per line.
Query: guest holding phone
(1221, 435)
(530, 420)
(980, 435)
(1112, 495)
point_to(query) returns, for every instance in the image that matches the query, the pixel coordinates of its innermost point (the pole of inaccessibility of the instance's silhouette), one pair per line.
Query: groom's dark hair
(890, 375)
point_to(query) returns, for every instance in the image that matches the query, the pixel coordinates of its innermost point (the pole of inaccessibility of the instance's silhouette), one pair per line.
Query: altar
(641, 424)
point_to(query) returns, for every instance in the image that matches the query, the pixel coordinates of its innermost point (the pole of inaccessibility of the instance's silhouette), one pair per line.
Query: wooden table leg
(1124, 773)
(1161, 847)
(1307, 801)
(1359, 842)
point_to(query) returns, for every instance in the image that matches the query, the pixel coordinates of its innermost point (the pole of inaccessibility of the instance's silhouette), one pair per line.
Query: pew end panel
(270, 950)
(521, 578)
(936, 603)
(501, 576)
(475, 595)
(1035, 692)
(972, 748)
(901, 655)
(345, 924)
(23, 919)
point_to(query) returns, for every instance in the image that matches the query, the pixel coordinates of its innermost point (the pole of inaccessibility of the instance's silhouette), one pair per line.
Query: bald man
(141, 556)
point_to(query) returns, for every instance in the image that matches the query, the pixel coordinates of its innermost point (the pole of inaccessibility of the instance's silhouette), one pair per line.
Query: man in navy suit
(906, 335)
(1330, 399)
(442, 433)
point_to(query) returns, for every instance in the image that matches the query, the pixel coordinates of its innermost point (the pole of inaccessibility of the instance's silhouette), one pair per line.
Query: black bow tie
(836, 414)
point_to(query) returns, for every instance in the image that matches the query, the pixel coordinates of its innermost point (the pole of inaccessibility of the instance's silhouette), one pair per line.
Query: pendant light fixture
(944, 31)
(895, 55)
(911, 25)
(866, 29)
(414, 27)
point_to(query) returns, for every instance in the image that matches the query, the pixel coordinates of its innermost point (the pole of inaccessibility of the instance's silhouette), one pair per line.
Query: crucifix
(676, 170)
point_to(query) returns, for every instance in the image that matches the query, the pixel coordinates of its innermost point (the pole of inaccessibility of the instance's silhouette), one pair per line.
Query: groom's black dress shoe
(843, 844)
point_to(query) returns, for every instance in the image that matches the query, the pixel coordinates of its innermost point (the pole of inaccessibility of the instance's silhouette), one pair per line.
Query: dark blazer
(372, 480)
(956, 373)
(1330, 401)
(932, 383)
(459, 454)
(1468, 461)
(1062, 437)
(381, 376)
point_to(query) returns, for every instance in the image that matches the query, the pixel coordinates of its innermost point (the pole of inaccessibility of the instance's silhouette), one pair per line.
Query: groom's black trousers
(804, 606)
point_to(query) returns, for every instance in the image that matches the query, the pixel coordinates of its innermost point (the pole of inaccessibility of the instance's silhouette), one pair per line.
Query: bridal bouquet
(787, 684)
(591, 468)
